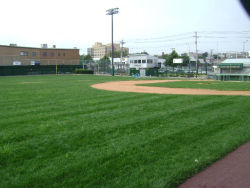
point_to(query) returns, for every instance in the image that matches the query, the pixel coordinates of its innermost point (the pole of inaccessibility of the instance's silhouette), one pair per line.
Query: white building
(145, 64)
(234, 69)
(142, 61)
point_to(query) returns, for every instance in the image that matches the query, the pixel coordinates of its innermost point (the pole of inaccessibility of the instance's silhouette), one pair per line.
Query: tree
(216, 56)
(104, 64)
(104, 60)
(170, 57)
(185, 58)
(205, 55)
(144, 52)
(117, 54)
(81, 59)
(87, 58)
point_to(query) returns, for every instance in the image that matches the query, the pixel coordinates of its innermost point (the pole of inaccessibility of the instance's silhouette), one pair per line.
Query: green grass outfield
(215, 85)
(57, 131)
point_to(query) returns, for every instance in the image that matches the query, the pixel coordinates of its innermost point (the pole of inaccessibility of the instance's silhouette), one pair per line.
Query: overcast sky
(151, 25)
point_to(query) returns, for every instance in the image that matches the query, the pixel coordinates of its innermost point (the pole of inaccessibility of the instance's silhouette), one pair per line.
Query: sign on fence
(179, 60)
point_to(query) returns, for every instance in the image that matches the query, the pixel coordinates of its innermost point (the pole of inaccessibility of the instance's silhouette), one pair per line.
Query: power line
(225, 32)
(170, 40)
(163, 37)
(224, 36)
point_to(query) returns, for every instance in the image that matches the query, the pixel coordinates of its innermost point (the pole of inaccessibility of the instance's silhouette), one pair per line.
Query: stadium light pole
(112, 12)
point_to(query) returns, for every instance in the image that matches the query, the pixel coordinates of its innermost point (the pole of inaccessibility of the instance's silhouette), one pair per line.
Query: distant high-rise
(99, 50)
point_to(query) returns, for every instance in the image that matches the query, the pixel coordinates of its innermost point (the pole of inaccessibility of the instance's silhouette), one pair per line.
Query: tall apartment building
(16, 55)
(99, 50)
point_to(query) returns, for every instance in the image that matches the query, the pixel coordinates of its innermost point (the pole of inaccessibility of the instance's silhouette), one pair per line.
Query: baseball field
(58, 131)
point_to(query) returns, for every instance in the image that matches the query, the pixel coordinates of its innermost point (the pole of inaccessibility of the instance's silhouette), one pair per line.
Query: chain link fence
(105, 67)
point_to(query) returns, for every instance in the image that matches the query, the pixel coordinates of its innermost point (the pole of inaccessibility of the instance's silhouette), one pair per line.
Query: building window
(135, 61)
(44, 53)
(144, 61)
(64, 54)
(22, 53)
(52, 54)
(131, 61)
(59, 54)
(33, 53)
(150, 61)
(139, 61)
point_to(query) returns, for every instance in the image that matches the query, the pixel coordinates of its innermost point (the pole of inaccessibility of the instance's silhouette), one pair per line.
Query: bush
(83, 71)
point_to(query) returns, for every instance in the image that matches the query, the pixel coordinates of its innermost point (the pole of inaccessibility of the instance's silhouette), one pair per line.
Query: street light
(111, 12)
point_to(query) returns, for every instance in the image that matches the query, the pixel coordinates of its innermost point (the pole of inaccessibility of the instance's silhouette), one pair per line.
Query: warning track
(130, 86)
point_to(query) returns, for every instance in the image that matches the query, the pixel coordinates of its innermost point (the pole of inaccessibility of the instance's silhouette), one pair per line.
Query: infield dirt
(130, 86)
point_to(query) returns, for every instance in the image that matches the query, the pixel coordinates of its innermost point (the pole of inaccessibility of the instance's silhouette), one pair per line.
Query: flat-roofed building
(17, 55)
(99, 50)
(234, 69)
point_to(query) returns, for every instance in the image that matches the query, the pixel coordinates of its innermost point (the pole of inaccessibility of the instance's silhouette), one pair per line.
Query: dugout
(234, 70)
(144, 71)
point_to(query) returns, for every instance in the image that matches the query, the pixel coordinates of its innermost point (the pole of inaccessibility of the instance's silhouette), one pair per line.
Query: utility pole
(244, 48)
(211, 54)
(122, 42)
(189, 67)
(112, 12)
(172, 51)
(196, 51)
(217, 44)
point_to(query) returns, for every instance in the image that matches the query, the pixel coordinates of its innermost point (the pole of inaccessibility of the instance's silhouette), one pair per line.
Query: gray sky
(151, 25)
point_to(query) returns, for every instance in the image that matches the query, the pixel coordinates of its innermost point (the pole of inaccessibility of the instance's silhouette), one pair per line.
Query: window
(59, 54)
(33, 53)
(135, 61)
(52, 54)
(22, 53)
(64, 54)
(150, 61)
(143, 61)
(44, 53)
(139, 61)
(131, 61)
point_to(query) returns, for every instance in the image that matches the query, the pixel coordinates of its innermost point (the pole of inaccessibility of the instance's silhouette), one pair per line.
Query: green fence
(233, 77)
(148, 72)
(133, 71)
(42, 69)
(152, 72)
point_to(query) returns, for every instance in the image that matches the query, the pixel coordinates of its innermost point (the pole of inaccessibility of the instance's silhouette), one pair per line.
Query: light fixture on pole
(111, 12)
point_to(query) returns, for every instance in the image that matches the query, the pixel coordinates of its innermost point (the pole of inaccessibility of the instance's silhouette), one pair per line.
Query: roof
(38, 48)
(244, 61)
(231, 65)
(141, 55)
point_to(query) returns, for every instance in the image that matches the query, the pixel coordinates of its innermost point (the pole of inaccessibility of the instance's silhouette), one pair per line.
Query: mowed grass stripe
(175, 135)
(145, 140)
(158, 115)
(95, 117)
(133, 125)
(58, 107)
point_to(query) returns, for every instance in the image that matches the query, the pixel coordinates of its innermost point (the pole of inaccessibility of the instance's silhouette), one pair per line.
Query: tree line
(168, 57)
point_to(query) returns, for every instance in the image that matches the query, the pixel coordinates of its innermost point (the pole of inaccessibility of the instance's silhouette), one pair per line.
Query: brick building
(17, 55)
